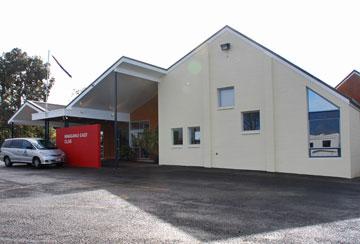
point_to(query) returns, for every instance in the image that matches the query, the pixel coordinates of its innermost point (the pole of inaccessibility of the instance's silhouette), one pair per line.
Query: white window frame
(189, 136)
(219, 97)
(242, 122)
(172, 137)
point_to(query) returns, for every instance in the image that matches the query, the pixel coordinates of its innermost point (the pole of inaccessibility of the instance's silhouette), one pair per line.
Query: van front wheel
(36, 162)
(7, 162)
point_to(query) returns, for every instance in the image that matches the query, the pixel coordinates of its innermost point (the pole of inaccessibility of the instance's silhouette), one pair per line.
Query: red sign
(81, 145)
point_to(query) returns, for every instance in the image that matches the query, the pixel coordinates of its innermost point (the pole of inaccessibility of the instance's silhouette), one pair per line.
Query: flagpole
(47, 83)
(46, 98)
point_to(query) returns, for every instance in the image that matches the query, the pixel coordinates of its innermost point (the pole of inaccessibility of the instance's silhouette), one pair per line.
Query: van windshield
(42, 145)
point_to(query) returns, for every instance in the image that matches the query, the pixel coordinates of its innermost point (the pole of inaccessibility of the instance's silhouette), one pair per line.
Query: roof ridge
(217, 32)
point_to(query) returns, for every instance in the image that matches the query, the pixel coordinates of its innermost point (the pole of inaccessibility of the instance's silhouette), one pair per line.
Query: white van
(32, 151)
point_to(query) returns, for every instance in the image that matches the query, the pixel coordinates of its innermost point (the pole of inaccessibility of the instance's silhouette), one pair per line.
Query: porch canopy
(135, 82)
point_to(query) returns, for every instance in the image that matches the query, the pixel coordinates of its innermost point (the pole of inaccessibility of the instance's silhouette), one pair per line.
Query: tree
(21, 78)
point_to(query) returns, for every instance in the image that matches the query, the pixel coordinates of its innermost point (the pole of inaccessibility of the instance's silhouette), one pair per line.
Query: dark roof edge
(244, 36)
(202, 43)
(295, 66)
(92, 83)
(110, 68)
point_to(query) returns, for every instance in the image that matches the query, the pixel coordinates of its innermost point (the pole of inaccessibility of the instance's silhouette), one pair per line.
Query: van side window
(26, 145)
(6, 144)
(16, 144)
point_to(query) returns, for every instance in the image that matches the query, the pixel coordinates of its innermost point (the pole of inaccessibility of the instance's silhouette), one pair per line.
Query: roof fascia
(112, 68)
(36, 105)
(250, 41)
(270, 53)
(89, 87)
(27, 103)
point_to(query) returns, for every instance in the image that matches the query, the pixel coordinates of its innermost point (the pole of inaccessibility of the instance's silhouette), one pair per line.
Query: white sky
(88, 36)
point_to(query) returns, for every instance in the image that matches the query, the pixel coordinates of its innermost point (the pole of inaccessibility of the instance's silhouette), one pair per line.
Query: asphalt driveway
(150, 204)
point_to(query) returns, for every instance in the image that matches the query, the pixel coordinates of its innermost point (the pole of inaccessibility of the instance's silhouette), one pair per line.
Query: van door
(27, 151)
(15, 150)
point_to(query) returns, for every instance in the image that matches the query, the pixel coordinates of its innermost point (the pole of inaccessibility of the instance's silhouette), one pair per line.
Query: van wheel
(36, 163)
(8, 162)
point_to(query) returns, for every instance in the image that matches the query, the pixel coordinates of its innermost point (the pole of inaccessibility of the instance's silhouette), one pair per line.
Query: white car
(31, 151)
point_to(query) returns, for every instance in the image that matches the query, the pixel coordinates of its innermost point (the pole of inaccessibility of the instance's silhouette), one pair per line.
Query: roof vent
(225, 46)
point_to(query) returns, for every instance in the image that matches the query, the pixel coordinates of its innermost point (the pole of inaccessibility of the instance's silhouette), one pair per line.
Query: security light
(225, 46)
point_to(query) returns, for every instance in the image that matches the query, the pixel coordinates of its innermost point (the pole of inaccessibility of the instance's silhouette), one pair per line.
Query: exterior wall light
(225, 46)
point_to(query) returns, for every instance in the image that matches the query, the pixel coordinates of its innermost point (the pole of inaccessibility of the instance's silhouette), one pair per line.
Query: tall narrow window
(177, 135)
(226, 97)
(324, 126)
(194, 135)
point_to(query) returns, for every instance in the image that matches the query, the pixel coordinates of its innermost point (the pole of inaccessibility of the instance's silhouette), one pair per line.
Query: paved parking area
(150, 204)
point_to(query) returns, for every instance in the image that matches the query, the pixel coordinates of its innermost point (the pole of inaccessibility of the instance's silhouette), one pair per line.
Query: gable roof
(222, 30)
(35, 105)
(123, 59)
(354, 72)
(47, 106)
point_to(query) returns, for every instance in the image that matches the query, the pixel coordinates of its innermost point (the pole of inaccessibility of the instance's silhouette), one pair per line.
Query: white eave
(23, 115)
(129, 67)
(80, 113)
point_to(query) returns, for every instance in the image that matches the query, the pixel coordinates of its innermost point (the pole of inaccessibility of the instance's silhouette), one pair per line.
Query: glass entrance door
(136, 129)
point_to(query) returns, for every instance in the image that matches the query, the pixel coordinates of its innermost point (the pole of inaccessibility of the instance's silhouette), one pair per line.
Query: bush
(127, 153)
(149, 141)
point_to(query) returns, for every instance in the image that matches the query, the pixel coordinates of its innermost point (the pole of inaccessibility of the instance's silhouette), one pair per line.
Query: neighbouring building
(229, 103)
(350, 86)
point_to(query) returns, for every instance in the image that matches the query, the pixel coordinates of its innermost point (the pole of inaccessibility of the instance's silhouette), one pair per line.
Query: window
(137, 129)
(177, 134)
(251, 121)
(16, 144)
(6, 144)
(27, 145)
(226, 97)
(44, 145)
(324, 126)
(194, 135)
(326, 143)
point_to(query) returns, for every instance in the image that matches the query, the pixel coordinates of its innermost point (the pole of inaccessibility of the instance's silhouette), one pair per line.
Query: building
(350, 86)
(229, 103)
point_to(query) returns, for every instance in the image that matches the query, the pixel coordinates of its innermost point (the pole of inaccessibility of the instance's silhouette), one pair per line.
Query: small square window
(326, 143)
(251, 121)
(311, 144)
(177, 134)
(194, 135)
(226, 97)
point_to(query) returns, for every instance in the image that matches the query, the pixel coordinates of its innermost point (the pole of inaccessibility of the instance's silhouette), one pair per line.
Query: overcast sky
(87, 37)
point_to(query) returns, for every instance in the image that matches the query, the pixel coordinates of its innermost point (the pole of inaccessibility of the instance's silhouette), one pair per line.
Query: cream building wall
(188, 97)
(355, 141)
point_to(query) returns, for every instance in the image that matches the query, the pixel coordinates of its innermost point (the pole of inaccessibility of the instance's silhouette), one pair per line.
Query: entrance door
(137, 128)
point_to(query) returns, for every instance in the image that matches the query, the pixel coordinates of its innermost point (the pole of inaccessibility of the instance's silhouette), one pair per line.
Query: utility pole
(115, 119)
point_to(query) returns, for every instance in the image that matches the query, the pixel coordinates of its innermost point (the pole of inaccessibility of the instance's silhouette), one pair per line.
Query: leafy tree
(22, 78)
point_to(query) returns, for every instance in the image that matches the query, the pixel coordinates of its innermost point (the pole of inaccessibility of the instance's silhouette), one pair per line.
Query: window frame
(219, 106)
(172, 137)
(325, 142)
(307, 89)
(189, 136)
(242, 122)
